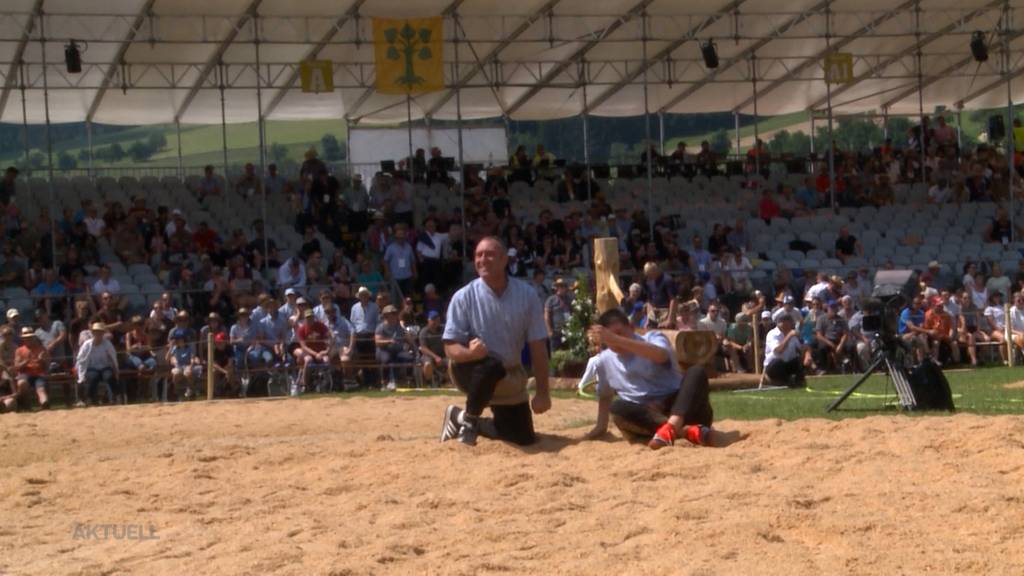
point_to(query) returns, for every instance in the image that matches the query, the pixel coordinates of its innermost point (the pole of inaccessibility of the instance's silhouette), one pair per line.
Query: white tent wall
(482, 145)
(508, 50)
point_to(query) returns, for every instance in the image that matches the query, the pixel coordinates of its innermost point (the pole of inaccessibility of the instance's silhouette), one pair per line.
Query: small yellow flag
(838, 68)
(317, 76)
(409, 55)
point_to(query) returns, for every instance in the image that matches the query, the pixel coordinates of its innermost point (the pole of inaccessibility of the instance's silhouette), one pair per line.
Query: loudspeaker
(710, 54)
(893, 285)
(930, 387)
(996, 128)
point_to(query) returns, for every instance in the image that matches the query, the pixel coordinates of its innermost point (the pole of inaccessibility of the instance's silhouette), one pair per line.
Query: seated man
(938, 324)
(223, 367)
(31, 362)
(911, 327)
(185, 368)
(718, 325)
(314, 345)
(782, 354)
(655, 401)
(739, 342)
(341, 329)
(432, 346)
(832, 339)
(96, 363)
(394, 344)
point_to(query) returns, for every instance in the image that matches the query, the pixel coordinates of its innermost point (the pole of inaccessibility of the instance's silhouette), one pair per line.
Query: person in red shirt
(314, 344)
(769, 208)
(204, 238)
(30, 363)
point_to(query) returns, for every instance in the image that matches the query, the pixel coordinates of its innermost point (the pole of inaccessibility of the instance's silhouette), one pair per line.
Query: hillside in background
(612, 140)
(201, 145)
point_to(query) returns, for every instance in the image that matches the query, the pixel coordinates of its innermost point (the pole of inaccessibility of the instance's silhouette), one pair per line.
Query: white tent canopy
(158, 61)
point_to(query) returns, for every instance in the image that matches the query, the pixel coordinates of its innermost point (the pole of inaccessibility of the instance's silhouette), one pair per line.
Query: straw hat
(98, 327)
(27, 332)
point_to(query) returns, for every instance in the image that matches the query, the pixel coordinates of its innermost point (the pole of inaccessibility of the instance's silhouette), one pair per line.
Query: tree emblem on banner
(408, 55)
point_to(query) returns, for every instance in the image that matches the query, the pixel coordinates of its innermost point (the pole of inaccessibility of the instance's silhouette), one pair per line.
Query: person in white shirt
(1017, 320)
(715, 323)
(429, 250)
(818, 290)
(788, 309)
(105, 283)
(94, 224)
(96, 363)
(996, 318)
(979, 293)
(292, 274)
(738, 266)
(177, 219)
(998, 282)
(940, 192)
(782, 348)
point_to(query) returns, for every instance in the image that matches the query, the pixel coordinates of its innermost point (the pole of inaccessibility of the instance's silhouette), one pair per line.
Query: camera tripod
(886, 355)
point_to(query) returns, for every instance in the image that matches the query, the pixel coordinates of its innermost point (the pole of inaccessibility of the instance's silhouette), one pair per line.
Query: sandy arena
(362, 486)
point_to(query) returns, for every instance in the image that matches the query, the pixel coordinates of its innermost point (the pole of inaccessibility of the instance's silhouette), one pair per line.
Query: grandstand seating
(948, 233)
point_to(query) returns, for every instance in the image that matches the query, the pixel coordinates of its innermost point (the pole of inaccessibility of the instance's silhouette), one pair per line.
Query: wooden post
(209, 365)
(1008, 334)
(606, 272)
(757, 345)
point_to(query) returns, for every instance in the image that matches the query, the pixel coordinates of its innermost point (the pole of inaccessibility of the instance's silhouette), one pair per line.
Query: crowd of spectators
(365, 293)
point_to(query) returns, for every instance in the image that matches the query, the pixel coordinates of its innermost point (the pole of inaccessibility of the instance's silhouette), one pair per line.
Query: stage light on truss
(710, 54)
(978, 47)
(73, 58)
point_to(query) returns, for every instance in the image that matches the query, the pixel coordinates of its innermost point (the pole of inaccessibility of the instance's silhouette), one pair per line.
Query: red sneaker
(665, 436)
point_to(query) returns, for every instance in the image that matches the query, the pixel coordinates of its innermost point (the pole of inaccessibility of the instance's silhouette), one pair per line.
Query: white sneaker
(391, 386)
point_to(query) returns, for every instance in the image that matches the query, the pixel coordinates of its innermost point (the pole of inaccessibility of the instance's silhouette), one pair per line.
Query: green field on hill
(203, 144)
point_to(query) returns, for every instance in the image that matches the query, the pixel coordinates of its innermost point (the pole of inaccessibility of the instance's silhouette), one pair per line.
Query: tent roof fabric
(157, 61)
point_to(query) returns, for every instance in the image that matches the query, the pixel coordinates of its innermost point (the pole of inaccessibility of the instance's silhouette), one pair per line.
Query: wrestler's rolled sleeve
(457, 328)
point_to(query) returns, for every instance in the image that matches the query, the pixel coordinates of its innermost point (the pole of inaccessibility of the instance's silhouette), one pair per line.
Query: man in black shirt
(847, 245)
(7, 185)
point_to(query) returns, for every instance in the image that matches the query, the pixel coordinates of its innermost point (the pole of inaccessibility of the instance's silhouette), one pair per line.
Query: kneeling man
(655, 401)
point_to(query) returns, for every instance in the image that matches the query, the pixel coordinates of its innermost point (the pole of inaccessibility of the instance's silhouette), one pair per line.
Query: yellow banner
(409, 55)
(839, 68)
(317, 76)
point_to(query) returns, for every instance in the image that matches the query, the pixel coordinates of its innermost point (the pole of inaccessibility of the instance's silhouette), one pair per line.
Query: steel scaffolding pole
(458, 125)
(88, 137)
(586, 142)
(812, 131)
(181, 166)
(1011, 147)
(828, 100)
(49, 146)
(260, 128)
(736, 120)
(24, 127)
(661, 133)
(753, 78)
(223, 122)
(922, 133)
(647, 135)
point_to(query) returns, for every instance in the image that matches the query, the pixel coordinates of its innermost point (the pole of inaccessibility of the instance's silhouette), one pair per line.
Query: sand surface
(361, 486)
